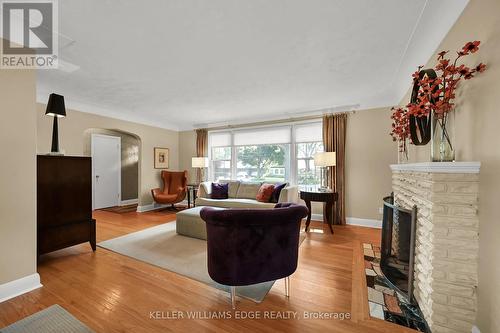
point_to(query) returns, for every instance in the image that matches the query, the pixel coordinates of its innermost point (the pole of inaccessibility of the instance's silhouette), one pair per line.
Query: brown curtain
(201, 149)
(334, 131)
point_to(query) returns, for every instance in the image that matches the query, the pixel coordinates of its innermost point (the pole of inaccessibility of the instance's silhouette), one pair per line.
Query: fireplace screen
(398, 245)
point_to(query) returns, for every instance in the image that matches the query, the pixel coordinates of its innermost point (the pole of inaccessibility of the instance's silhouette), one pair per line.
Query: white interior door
(106, 170)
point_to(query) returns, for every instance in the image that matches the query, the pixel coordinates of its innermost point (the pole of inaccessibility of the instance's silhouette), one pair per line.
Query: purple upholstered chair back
(248, 246)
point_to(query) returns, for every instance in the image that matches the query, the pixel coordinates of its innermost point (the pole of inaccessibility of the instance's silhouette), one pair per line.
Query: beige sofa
(242, 195)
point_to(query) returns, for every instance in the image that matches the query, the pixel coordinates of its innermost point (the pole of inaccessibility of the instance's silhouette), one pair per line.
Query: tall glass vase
(403, 146)
(443, 137)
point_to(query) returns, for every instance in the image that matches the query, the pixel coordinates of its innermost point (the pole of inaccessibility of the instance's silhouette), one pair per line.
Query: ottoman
(190, 224)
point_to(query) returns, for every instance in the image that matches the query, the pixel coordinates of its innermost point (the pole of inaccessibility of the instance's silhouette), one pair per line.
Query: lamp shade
(199, 162)
(55, 106)
(325, 159)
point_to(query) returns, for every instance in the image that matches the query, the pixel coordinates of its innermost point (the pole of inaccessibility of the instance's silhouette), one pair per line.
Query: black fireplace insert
(398, 246)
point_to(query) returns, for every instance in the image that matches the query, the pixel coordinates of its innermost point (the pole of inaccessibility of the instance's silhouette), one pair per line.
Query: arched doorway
(129, 157)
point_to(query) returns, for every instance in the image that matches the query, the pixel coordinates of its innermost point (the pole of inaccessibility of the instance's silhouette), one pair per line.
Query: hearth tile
(370, 272)
(368, 264)
(385, 290)
(376, 310)
(369, 252)
(375, 296)
(376, 248)
(377, 254)
(392, 304)
(367, 246)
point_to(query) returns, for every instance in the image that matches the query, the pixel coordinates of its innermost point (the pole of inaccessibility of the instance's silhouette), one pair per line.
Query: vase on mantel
(403, 145)
(443, 137)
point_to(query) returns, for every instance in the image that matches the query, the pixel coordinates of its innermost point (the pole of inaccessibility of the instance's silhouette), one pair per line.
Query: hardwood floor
(113, 293)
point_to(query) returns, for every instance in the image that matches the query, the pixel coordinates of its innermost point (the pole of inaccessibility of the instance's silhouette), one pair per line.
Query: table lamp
(56, 109)
(324, 160)
(200, 163)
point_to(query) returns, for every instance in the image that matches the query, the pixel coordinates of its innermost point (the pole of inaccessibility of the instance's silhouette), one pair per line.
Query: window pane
(222, 170)
(221, 163)
(308, 176)
(265, 163)
(307, 150)
(221, 153)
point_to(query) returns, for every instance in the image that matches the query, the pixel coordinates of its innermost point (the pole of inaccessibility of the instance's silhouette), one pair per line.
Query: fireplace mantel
(439, 167)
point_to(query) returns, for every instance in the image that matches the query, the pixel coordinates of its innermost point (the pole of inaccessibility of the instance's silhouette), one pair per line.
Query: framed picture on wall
(161, 158)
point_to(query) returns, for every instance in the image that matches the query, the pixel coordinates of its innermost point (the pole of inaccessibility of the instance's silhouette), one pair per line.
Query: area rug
(385, 302)
(49, 320)
(163, 247)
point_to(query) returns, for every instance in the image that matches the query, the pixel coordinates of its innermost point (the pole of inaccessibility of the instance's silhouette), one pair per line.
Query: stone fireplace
(447, 239)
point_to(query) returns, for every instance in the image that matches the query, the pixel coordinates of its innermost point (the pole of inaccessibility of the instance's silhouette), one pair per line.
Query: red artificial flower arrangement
(400, 127)
(435, 95)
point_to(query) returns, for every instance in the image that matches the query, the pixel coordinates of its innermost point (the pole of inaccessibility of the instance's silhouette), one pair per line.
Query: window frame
(292, 162)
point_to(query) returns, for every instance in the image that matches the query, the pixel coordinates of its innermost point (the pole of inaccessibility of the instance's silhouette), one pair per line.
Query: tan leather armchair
(174, 188)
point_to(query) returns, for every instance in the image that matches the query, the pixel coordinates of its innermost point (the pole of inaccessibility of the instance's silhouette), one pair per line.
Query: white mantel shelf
(439, 167)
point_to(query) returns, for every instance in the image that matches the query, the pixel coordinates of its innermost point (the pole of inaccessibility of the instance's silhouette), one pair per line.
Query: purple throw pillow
(220, 191)
(276, 193)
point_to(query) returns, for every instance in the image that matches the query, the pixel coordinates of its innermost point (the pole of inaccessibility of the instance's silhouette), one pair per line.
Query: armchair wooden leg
(287, 286)
(233, 297)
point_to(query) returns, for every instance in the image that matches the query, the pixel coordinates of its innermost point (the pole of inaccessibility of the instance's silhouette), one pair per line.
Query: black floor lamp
(56, 109)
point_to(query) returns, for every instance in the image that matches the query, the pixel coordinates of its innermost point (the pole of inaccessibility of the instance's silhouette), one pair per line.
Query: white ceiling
(187, 63)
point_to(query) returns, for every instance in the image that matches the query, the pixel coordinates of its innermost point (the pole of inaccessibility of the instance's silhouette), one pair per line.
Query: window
(265, 163)
(267, 154)
(308, 175)
(220, 156)
(221, 162)
(309, 141)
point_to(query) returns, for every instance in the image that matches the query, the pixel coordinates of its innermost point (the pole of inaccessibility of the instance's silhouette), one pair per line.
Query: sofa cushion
(265, 193)
(248, 190)
(233, 203)
(219, 191)
(277, 191)
(233, 187)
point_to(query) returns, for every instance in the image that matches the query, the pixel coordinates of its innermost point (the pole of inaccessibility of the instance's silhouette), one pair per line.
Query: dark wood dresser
(64, 202)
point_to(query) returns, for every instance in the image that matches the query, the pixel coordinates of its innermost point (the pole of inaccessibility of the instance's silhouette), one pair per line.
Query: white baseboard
(20, 286)
(317, 217)
(353, 221)
(147, 208)
(129, 202)
(475, 329)
(364, 222)
(155, 206)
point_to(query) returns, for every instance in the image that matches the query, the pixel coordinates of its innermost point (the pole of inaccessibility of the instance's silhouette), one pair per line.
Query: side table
(329, 198)
(192, 190)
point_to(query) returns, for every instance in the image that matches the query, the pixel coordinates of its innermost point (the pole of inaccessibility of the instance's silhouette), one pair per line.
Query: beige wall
(71, 140)
(369, 151)
(478, 139)
(187, 149)
(18, 174)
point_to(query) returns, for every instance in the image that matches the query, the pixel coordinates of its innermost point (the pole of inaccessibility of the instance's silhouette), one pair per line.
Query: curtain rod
(272, 122)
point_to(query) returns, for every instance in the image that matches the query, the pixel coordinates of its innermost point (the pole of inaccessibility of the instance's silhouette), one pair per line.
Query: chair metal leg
(287, 286)
(233, 297)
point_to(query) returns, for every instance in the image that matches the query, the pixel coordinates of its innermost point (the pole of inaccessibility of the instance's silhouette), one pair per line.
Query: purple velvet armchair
(249, 246)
